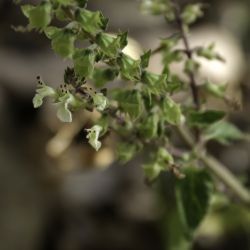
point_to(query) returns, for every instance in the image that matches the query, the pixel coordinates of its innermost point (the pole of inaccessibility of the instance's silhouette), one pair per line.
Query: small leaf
(156, 84)
(145, 59)
(39, 16)
(91, 22)
(191, 13)
(130, 68)
(131, 102)
(216, 90)
(193, 195)
(84, 60)
(171, 111)
(203, 118)
(149, 127)
(62, 42)
(223, 132)
(126, 151)
(152, 170)
(102, 76)
(111, 45)
(93, 136)
(100, 101)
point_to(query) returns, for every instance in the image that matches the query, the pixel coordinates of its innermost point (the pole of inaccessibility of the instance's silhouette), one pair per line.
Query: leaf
(126, 151)
(145, 59)
(93, 136)
(161, 162)
(131, 102)
(216, 90)
(203, 118)
(84, 60)
(39, 16)
(156, 84)
(102, 76)
(130, 68)
(111, 45)
(171, 111)
(149, 127)
(100, 101)
(62, 41)
(42, 91)
(191, 13)
(193, 195)
(91, 22)
(223, 132)
(209, 53)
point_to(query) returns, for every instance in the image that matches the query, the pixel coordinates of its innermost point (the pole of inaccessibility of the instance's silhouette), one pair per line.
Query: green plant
(143, 113)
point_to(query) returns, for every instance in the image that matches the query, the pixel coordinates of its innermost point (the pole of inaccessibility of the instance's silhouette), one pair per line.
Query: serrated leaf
(84, 60)
(156, 84)
(193, 195)
(171, 111)
(203, 118)
(93, 136)
(91, 22)
(223, 132)
(130, 68)
(39, 16)
(111, 45)
(42, 91)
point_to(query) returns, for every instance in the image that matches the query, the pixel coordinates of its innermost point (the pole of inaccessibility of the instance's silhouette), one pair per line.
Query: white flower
(93, 136)
(42, 91)
(100, 101)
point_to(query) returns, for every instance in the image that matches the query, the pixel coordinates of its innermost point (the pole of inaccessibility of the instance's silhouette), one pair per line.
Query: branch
(189, 53)
(217, 168)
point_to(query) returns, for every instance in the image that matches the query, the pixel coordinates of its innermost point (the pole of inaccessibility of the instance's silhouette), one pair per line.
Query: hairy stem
(217, 168)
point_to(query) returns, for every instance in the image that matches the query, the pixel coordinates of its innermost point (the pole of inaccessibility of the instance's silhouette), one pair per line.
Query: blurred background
(56, 193)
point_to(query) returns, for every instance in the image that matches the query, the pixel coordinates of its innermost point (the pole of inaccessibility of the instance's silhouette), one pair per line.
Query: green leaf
(161, 162)
(100, 101)
(193, 195)
(154, 7)
(39, 16)
(93, 136)
(149, 127)
(126, 151)
(145, 59)
(91, 22)
(84, 60)
(203, 118)
(155, 84)
(171, 111)
(191, 13)
(223, 132)
(42, 91)
(191, 66)
(62, 41)
(131, 102)
(209, 53)
(216, 90)
(111, 45)
(102, 76)
(130, 68)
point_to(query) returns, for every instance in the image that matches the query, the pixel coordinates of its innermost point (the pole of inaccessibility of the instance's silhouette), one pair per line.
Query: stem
(189, 53)
(217, 168)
